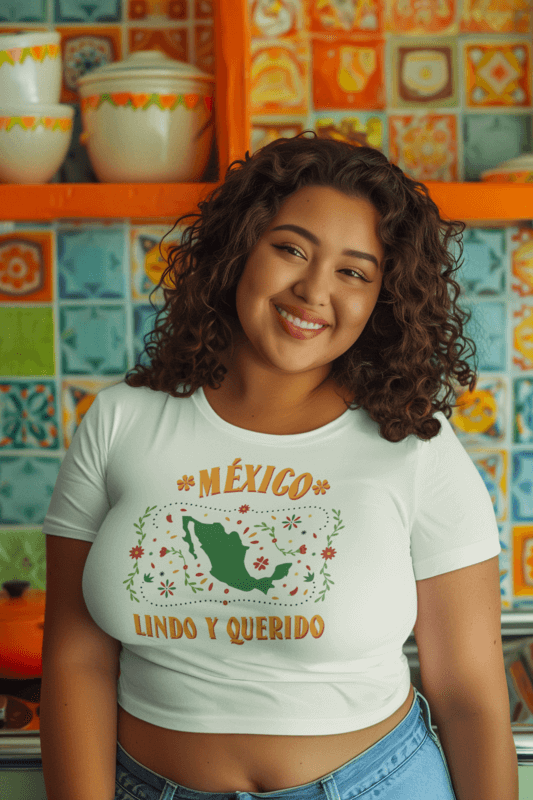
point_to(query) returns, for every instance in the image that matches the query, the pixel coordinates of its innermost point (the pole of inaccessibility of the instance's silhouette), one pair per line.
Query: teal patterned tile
(487, 327)
(28, 415)
(80, 11)
(143, 323)
(93, 340)
(90, 263)
(523, 411)
(490, 139)
(522, 487)
(22, 10)
(484, 269)
(26, 486)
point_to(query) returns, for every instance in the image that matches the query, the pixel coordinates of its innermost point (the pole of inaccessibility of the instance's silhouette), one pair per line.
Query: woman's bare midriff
(239, 762)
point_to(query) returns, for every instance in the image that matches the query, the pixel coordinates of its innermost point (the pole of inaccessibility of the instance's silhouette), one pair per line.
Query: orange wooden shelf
(505, 202)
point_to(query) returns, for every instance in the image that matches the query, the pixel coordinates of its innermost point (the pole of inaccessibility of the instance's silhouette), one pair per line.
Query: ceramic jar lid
(146, 64)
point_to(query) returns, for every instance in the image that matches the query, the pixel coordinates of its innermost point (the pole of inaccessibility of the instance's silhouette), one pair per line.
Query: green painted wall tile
(26, 341)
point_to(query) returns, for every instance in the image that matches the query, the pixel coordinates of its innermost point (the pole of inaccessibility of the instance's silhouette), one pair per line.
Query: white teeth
(300, 323)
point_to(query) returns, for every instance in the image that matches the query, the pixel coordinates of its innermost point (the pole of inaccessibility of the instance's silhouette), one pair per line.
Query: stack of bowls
(35, 129)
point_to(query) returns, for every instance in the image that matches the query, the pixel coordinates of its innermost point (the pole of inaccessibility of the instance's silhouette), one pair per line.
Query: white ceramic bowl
(34, 140)
(30, 68)
(516, 170)
(147, 119)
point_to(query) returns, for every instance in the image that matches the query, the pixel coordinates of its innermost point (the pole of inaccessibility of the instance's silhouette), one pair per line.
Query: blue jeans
(407, 764)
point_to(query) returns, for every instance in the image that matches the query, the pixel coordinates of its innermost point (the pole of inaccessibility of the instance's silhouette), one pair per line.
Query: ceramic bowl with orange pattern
(30, 67)
(147, 119)
(34, 140)
(516, 170)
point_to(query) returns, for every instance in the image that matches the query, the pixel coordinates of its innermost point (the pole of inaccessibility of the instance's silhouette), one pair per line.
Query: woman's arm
(78, 706)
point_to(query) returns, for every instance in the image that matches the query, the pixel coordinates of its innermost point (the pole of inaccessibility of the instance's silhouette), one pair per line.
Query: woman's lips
(294, 330)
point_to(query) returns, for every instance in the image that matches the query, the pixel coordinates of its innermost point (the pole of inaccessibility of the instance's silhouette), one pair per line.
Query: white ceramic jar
(147, 119)
(30, 68)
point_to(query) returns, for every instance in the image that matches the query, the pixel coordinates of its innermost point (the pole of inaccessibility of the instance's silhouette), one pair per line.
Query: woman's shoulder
(121, 395)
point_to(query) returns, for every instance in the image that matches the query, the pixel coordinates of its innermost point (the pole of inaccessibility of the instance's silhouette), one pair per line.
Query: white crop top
(261, 583)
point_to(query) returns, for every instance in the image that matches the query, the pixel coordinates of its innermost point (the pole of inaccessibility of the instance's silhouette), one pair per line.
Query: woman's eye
(356, 274)
(287, 247)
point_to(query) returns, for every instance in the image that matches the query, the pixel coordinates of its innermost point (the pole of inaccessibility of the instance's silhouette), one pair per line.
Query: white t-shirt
(262, 583)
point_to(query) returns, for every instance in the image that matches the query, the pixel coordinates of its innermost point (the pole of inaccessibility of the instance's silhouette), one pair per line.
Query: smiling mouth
(299, 323)
(295, 330)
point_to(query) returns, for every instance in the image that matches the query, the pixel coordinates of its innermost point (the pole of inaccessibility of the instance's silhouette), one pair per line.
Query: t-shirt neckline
(309, 437)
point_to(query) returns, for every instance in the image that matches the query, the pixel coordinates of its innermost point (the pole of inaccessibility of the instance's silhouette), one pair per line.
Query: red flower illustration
(261, 563)
(328, 552)
(136, 552)
(163, 552)
(303, 549)
(244, 509)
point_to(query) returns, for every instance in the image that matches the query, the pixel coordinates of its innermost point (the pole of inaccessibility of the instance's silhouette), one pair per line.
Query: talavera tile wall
(445, 90)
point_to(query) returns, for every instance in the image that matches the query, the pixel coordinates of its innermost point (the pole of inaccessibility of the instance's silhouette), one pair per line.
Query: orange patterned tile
(279, 75)
(203, 9)
(423, 72)
(327, 16)
(522, 560)
(272, 20)
(348, 73)
(424, 146)
(420, 18)
(522, 261)
(495, 16)
(204, 46)
(497, 73)
(172, 41)
(263, 133)
(155, 9)
(83, 49)
(364, 127)
(26, 267)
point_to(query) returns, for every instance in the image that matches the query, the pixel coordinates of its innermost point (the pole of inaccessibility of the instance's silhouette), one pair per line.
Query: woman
(259, 508)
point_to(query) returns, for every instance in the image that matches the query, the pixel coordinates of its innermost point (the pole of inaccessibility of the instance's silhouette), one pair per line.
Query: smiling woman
(271, 503)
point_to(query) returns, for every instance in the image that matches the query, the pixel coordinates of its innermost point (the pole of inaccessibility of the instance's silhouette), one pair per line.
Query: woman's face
(309, 277)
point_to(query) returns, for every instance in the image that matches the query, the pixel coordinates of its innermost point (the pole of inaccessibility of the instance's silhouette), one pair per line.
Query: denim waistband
(397, 745)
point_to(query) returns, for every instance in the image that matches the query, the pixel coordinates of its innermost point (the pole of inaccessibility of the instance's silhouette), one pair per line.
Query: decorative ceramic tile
(523, 410)
(204, 47)
(26, 486)
(505, 568)
(487, 327)
(484, 262)
(490, 139)
(157, 10)
(424, 145)
(85, 49)
(91, 263)
(93, 340)
(496, 16)
(497, 73)
(423, 73)
(348, 73)
(80, 11)
(203, 9)
(521, 248)
(273, 20)
(26, 267)
(23, 557)
(345, 17)
(147, 265)
(492, 466)
(348, 125)
(144, 317)
(522, 324)
(480, 418)
(264, 132)
(77, 397)
(23, 11)
(522, 538)
(522, 487)
(421, 18)
(172, 41)
(28, 415)
(26, 341)
(279, 75)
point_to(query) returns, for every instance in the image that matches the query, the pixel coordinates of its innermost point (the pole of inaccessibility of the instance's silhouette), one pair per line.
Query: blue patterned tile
(487, 327)
(143, 322)
(490, 139)
(484, 263)
(82, 11)
(90, 263)
(523, 410)
(522, 486)
(26, 486)
(22, 10)
(93, 340)
(28, 415)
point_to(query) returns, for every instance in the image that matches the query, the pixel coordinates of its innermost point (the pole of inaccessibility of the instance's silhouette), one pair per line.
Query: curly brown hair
(401, 368)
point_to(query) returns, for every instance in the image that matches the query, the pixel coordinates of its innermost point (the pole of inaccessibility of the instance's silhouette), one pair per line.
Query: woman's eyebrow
(315, 240)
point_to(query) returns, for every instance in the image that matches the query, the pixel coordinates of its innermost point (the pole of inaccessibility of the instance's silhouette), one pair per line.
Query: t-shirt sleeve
(80, 501)
(454, 523)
